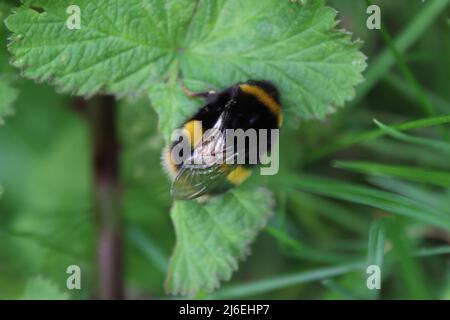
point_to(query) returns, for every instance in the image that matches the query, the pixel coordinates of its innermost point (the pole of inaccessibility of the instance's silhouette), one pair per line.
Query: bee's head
(268, 87)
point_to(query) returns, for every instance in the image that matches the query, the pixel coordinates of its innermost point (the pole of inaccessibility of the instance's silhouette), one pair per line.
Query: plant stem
(105, 160)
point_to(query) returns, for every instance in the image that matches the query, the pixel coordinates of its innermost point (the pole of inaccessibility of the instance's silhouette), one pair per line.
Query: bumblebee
(246, 105)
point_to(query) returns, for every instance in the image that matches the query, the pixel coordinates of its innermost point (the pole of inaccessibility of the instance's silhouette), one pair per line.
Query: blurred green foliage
(203, 45)
(328, 223)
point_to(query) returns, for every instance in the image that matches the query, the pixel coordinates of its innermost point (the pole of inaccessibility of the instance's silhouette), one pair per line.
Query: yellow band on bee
(265, 99)
(195, 131)
(239, 175)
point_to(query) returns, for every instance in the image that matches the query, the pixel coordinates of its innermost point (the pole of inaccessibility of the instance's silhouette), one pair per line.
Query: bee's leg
(198, 94)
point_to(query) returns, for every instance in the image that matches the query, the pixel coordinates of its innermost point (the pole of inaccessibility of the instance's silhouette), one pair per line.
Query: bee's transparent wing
(194, 181)
(207, 167)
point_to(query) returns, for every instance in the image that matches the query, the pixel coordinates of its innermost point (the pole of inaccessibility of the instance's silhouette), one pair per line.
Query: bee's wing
(202, 172)
(194, 181)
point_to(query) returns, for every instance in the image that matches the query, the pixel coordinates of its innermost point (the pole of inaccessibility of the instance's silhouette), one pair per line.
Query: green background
(315, 246)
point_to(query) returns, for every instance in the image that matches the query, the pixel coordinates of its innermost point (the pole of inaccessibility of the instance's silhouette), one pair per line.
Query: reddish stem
(107, 197)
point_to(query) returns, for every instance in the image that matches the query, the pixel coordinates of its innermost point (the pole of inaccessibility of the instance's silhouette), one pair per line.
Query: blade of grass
(430, 197)
(429, 109)
(306, 214)
(298, 250)
(336, 287)
(408, 92)
(440, 146)
(279, 282)
(371, 197)
(354, 139)
(335, 213)
(419, 174)
(375, 250)
(429, 252)
(399, 152)
(350, 245)
(281, 201)
(412, 32)
(151, 251)
(409, 270)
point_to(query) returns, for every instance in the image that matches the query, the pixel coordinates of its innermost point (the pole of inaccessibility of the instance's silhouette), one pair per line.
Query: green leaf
(7, 97)
(291, 44)
(172, 106)
(212, 238)
(122, 47)
(8, 94)
(46, 222)
(210, 44)
(40, 288)
(4, 55)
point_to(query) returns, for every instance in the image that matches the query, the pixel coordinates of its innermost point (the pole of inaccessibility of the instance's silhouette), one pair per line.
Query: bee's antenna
(191, 94)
